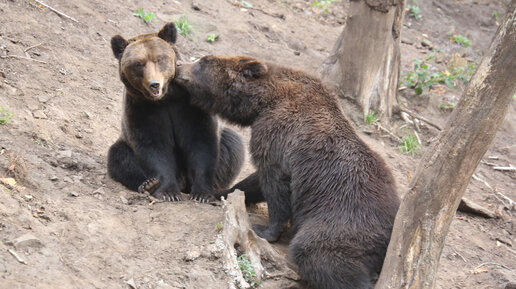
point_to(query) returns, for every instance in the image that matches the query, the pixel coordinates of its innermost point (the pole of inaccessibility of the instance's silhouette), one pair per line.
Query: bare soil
(59, 80)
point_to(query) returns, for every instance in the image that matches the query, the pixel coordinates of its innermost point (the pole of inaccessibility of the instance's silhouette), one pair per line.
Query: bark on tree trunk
(444, 172)
(364, 63)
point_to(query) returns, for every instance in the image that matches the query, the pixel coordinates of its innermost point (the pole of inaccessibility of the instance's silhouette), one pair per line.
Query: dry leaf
(8, 181)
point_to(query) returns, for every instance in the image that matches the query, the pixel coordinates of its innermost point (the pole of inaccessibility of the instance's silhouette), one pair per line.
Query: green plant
(147, 17)
(322, 4)
(248, 271)
(5, 116)
(447, 106)
(184, 27)
(496, 15)
(371, 118)
(409, 144)
(211, 37)
(415, 12)
(421, 78)
(461, 40)
(246, 4)
(219, 226)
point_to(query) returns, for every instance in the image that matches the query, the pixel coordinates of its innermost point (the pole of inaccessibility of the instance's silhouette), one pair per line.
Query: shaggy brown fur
(312, 167)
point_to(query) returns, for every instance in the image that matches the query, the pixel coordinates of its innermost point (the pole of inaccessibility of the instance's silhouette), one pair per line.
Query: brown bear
(312, 167)
(167, 146)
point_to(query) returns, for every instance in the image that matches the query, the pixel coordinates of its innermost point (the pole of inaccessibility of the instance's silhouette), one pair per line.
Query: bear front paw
(148, 186)
(168, 196)
(268, 233)
(202, 197)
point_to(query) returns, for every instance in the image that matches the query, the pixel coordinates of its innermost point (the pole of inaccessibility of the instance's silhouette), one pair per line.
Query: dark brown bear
(167, 146)
(312, 167)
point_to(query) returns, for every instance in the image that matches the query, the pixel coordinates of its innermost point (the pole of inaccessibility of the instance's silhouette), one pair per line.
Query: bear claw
(148, 186)
(202, 198)
(169, 197)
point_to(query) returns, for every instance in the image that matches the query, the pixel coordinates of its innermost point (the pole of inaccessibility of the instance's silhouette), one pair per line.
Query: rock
(43, 98)
(192, 255)
(297, 53)
(195, 6)
(124, 200)
(64, 154)
(27, 240)
(53, 178)
(427, 43)
(74, 194)
(131, 283)
(39, 114)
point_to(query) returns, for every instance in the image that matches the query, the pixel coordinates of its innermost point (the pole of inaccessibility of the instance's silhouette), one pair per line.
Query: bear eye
(138, 64)
(162, 59)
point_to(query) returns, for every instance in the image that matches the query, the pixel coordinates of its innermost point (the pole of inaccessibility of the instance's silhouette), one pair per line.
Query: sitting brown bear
(167, 146)
(312, 167)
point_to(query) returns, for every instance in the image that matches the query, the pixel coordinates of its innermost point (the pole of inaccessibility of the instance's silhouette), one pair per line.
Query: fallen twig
(471, 207)
(57, 11)
(482, 181)
(492, 263)
(33, 46)
(511, 169)
(259, 44)
(277, 15)
(415, 115)
(18, 258)
(380, 127)
(23, 57)
(458, 254)
(511, 205)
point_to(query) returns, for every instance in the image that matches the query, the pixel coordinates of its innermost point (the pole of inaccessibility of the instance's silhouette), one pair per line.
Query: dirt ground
(70, 226)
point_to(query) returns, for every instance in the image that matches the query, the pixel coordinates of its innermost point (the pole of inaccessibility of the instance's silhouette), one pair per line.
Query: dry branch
(22, 57)
(56, 11)
(415, 115)
(468, 206)
(31, 47)
(510, 169)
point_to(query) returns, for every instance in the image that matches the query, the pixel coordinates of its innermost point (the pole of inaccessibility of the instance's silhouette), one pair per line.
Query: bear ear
(254, 69)
(168, 33)
(118, 45)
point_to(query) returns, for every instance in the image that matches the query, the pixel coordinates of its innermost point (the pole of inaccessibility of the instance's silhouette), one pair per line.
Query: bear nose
(154, 85)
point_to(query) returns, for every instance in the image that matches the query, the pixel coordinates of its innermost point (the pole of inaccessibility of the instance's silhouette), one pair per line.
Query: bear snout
(184, 72)
(154, 85)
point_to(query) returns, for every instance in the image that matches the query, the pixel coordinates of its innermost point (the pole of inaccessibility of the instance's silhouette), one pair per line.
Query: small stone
(39, 114)
(43, 98)
(53, 178)
(27, 240)
(195, 6)
(124, 200)
(64, 154)
(131, 283)
(79, 135)
(297, 53)
(74, 194)
(427, 43)
(192, 255)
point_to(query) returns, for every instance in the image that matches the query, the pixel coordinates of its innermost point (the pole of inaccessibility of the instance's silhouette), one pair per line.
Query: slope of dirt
(87, 231)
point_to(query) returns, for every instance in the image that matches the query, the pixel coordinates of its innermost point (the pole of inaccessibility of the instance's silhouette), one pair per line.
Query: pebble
(192, 255)
(39, 114)
(27, 240)
(64, 154)
(43, 98)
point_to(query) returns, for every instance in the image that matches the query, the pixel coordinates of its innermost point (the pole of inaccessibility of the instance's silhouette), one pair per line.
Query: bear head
(147, 62)
(235, 88)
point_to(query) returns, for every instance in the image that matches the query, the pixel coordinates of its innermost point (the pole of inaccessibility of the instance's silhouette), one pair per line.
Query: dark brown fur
(312, 167)
(167, 146)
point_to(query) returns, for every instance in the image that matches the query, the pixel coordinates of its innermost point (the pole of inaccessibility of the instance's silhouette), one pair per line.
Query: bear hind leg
(123, 167)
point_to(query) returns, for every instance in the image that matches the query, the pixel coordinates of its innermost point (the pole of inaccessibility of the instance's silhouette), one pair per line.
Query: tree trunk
(444, 172)
(365, 60)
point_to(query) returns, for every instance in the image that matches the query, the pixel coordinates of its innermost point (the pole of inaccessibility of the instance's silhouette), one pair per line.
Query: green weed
(415, 12)
(322, 4)
(409, 144)
(219, 226)
(246, 4)
(211, 37)
(146, 17)
(421, 78)
(447, 106)
(184, 27)
(248, 271)
(461, 40)
(496, 15)
(371, 118)
(5, 116)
